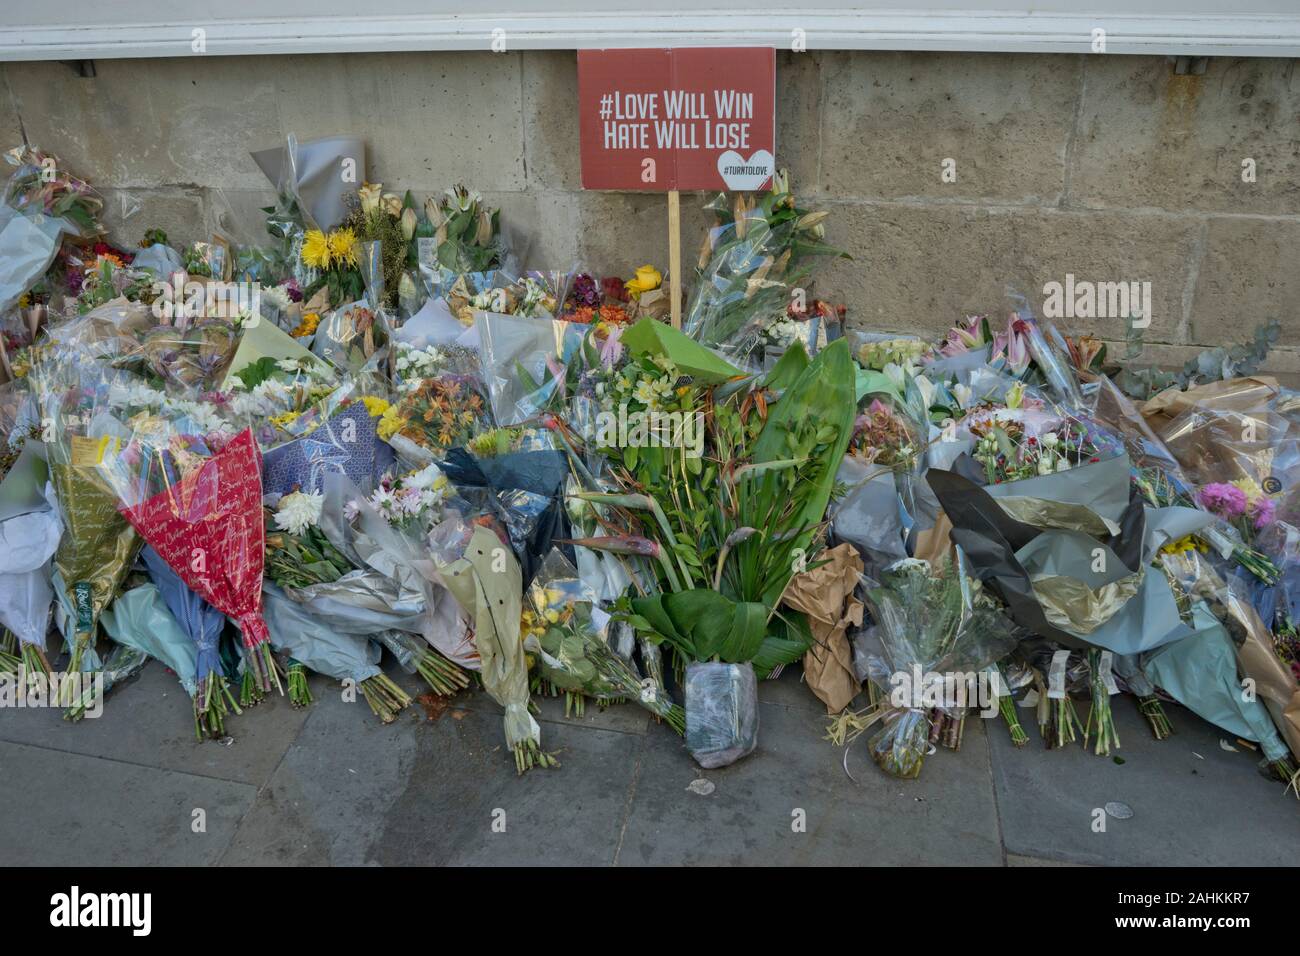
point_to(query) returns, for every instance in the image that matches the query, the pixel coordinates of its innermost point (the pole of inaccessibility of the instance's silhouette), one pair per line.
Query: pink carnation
(1226, 501)
(1263, 513)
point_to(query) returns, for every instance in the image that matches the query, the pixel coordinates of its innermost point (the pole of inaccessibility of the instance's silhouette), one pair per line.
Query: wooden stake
(675, 255)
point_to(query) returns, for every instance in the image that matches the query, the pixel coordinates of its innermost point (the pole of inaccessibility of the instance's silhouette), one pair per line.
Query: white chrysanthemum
(277, 296)
(298, 511)
(423, 479)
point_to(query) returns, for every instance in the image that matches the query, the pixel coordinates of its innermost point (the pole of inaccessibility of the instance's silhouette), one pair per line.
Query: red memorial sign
(692, 118)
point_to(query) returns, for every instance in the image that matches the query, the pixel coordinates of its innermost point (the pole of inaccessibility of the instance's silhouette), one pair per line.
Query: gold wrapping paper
(1072, 606)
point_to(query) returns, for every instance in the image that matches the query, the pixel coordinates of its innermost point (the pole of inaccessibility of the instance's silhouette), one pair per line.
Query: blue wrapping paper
(200, 621)
(346, 443)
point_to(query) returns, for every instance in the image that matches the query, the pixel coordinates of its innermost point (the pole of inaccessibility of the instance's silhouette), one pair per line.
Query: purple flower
(585, 291)
(611, 350)
(1226, 501)
(1263, 513)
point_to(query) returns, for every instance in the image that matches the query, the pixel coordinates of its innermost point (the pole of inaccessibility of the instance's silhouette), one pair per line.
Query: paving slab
(749, 817)
(418, 791)
(1194, 804)
(65, 809)
(149, 721)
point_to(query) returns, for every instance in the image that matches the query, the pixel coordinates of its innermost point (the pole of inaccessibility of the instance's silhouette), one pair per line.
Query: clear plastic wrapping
(928, 621)
(572, 636)
(721, 712)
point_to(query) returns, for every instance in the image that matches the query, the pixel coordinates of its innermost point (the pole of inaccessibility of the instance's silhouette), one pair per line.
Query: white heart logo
(746, 175)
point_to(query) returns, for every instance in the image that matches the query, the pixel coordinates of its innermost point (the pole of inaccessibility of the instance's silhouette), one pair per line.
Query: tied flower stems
(212, 702)
(1007, 708)
(528, 755)
(1154, 712)
(1058, 723)
(81, 642)
(385, 698)
(262, 670)
(1099, 711)
(296, 678)
(443, 676)
(32, 660)
(8, 644)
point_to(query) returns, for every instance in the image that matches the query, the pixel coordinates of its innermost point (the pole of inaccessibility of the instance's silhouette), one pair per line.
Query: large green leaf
(788, 368)
(823, 393)
(650, 337)
(748, 629)
(704, 624)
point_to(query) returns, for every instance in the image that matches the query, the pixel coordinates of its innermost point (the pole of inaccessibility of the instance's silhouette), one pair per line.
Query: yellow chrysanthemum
(316, 249)
(283, 419)
(1250, 488)
(343, 246)
(390, 423)
(375, 405)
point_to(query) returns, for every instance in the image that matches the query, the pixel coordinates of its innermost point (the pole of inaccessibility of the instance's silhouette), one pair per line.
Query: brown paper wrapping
(1234, 394)
(1204, 428)
(1274, 683)
(934, 544)
(825, 595)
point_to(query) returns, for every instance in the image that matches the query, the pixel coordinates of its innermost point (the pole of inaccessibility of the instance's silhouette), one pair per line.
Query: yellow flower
(284, 419)
(316, 249)
(343, 246)
(390, 423)
(1250, 488)
(375, 405)
(647, 278)
(307, 326)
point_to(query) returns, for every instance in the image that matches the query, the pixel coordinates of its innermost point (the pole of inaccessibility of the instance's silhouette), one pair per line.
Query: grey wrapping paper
(315, 172)
(1036, 571)
(1200, 672)
(372, 544)
(311, 641)
(868, 517)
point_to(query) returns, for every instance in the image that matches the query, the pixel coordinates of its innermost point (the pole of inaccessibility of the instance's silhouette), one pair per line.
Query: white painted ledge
(102, 30)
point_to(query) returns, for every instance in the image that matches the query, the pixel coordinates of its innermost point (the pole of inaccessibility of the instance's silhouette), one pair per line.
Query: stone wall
(1112, 168)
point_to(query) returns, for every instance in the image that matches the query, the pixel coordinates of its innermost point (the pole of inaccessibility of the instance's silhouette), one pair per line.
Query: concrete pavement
(331, 785)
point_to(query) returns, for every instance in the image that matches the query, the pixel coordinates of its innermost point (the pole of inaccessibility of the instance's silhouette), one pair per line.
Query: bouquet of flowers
(466, 231)
(98, 546)
(882, 436)
(440, 413)
(562, 626)
(928, 621)
(492, 600)
(202, 624)
(42, 203)
(762, 249)
(333, 260)
(200, 507)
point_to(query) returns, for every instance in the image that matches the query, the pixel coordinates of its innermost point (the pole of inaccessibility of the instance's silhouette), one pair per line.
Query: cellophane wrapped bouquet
(196, 498)
(928, 621)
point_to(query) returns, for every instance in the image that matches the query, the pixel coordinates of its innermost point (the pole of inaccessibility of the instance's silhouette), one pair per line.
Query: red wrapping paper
(209, 529)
